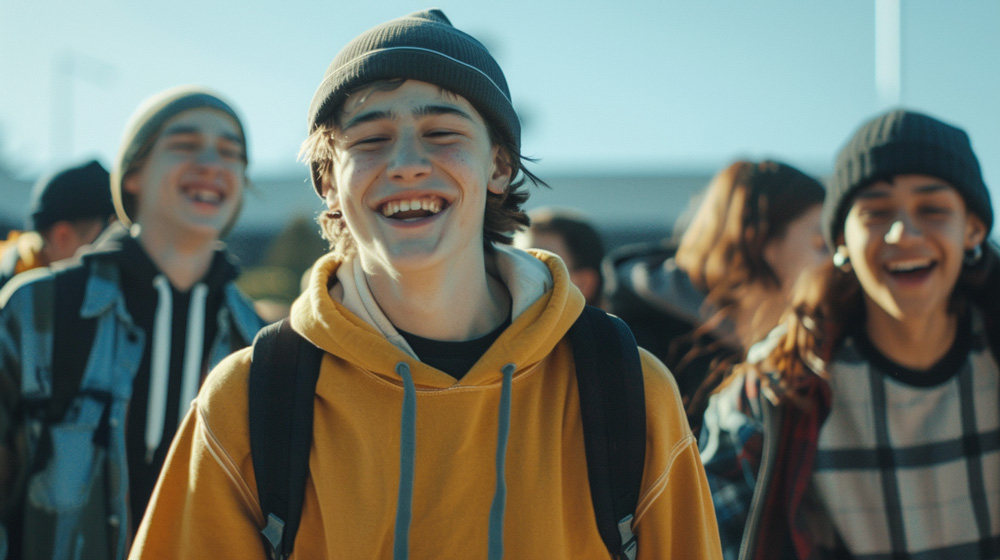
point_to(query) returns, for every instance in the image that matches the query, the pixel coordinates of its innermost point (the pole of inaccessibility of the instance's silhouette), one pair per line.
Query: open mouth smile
(211, 195)
(911, 269)
(413, 209)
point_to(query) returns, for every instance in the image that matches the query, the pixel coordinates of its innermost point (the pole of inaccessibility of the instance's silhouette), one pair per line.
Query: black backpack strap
(72, 340)
(283, 375)
(613, 407)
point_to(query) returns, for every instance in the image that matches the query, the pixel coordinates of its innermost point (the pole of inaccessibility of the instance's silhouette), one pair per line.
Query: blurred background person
(100, 361)
(700, 306)
(569, 234)
(69, 209)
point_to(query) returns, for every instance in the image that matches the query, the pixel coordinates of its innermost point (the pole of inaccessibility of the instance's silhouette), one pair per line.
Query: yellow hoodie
(205, 504)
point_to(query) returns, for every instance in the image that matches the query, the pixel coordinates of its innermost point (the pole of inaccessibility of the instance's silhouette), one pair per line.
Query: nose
(902, 229)
(409, 161)
(208, 156)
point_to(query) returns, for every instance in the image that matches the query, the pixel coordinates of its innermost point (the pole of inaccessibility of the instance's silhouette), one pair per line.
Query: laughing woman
(866, 425)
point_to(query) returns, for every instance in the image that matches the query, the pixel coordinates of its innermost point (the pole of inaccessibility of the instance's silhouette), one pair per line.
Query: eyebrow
(422, 111)
(182, 129)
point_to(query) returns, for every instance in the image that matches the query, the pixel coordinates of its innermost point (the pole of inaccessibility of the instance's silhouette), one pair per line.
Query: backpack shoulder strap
(283, 375)
(72, 339)
(613, 407)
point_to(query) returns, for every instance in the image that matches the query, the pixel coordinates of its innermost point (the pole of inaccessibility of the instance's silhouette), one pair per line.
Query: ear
(60, 233)
(500, 178)
(329, 192)
(841, 259)
(130, 184)
(975, 231)
(587, 280)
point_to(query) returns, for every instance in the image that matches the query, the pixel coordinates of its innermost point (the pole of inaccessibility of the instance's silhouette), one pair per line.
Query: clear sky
(643, 86)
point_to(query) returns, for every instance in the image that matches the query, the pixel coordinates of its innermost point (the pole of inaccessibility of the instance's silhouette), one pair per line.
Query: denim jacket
(75, 504)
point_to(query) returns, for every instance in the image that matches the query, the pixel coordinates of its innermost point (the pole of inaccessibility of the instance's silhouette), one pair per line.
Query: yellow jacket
(205, 504)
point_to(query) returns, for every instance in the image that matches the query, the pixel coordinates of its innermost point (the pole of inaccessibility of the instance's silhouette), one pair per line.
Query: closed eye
(442, 133)
(183, 145)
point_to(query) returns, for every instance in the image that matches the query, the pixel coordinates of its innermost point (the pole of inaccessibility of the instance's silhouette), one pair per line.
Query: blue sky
(638, 87)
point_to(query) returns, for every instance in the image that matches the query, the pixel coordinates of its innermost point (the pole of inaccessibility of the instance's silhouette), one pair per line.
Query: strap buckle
(272, 535)
(630, 544)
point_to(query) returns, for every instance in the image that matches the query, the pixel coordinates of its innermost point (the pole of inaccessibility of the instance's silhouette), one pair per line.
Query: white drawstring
(159, 367)
(193, 349)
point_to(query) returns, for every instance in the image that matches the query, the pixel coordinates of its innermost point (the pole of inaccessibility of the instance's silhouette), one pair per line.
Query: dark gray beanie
(81, 191)
(904, 142)
(422, 46)
(147, 122)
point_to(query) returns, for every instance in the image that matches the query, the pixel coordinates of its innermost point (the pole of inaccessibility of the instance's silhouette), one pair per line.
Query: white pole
(888, 47)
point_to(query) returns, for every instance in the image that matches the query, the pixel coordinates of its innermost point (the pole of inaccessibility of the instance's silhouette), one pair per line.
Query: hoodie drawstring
(407, 460)
(159, 367)
(500, 494)
(193, 349)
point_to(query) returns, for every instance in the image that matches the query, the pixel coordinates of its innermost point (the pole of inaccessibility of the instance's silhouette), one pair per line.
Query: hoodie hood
(545, 305)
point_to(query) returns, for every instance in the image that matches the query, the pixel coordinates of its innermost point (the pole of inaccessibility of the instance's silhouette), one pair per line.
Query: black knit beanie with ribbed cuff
(77, 192)
(422, 46)
(147, 122)
(904, 142)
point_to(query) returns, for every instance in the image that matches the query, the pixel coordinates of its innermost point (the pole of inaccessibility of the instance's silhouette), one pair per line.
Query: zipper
(771, 417)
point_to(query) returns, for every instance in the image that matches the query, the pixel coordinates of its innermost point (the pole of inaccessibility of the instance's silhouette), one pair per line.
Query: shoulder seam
(660, 484)
(228, 465)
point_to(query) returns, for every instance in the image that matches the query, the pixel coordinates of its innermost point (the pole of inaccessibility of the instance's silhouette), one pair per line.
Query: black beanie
(422, 46)
(146, 123)
(904, 142)
(82, 191)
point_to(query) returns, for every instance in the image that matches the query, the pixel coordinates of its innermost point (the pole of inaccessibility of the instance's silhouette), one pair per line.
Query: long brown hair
(745, 207)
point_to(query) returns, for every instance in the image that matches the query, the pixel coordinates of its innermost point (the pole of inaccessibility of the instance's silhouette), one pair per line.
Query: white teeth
(211, 197)
(906, 266)
(390, 209)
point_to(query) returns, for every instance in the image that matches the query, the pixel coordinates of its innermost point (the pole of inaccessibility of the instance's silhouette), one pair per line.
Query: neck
(184, 260)
(917, 343)
(454, 304)
(757, 314)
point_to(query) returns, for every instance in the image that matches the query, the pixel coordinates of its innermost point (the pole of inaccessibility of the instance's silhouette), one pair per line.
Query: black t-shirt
(453, 358)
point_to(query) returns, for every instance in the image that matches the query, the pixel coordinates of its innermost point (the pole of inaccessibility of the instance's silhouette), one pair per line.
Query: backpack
(612, 404)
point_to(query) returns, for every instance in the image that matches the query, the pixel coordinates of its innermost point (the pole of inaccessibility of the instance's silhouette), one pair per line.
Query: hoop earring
(840, 258)
(335, 214)
(973, 256)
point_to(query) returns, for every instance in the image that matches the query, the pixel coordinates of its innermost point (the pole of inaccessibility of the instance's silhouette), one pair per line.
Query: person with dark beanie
(865, 425)
(68, 210)
(446, 421)
(100, 360)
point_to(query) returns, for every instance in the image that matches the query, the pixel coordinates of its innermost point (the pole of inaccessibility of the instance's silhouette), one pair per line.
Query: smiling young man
(100, 360)
(447, 422)
(868, 419)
